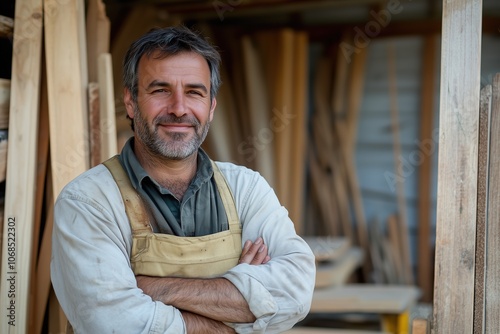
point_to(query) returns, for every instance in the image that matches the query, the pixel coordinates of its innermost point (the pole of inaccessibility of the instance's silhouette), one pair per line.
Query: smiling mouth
(177, 127)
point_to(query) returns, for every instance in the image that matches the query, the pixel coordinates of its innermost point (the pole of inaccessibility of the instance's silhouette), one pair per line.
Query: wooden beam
(458, 161)
(260, 149)
(428, 89)
(67, 90)
(482, 208)
(492, 307)
(94, 126)
(281, 99)
(41, 176)
(21, 167)
(107, 115)
(299, 130)
(98, 35)
(400, 190)
(42, 265)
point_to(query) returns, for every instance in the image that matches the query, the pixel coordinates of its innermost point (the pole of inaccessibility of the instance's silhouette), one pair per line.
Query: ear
(129, 102)
(212, 109)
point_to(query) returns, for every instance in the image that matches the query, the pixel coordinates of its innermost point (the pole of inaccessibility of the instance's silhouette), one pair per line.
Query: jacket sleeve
(90, 267)
(279, 293)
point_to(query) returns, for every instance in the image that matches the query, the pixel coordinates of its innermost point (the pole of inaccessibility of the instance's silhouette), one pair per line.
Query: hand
(254, 252)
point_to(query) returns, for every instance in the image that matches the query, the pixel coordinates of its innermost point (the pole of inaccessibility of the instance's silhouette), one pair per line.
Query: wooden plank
(348, 133)
(337, 273)
(400, 190)
(419, 326)
(365, 298)
(396, 247)
(311, 330)
(42, 272)
(4, 103)
(458, 161)
(41, 175)
(21, 167)
(67, 83)
(98, 30)
(3, 154)
(67, 91)
(299, 131)
(281, 100)
(492, 307)
(107, 115)
(482, 208)
(94, 126)
(258, 107)
(425, 250)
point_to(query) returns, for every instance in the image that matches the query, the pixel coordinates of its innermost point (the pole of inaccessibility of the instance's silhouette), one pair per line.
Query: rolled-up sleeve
(90, 267)
(279, 293)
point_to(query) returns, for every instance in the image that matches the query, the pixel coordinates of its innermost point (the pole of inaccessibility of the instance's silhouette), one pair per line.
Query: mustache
(186, 119)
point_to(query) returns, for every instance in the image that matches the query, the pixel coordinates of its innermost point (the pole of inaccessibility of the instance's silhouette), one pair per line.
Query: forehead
(189, 65)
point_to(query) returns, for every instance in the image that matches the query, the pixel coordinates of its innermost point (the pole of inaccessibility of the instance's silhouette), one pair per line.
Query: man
(151, 240)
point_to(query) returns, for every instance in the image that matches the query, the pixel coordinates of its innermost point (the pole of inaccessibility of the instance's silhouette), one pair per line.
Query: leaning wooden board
(492, 305)
(67, 90)
(458, 161)
(21, 167)
(66, 62)
(482, 208)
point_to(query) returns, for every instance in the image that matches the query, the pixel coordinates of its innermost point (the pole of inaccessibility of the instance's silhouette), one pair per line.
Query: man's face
(173, 110)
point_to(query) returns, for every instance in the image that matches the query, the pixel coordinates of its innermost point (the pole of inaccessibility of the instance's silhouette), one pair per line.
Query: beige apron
(156, 254)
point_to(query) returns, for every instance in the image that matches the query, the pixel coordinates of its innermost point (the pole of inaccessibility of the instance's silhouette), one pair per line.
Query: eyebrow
(156, 83)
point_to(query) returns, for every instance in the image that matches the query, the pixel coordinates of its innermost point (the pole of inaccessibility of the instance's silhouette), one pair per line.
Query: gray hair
(170, 41)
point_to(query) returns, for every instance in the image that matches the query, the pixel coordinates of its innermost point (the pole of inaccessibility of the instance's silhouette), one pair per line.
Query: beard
(178, 146)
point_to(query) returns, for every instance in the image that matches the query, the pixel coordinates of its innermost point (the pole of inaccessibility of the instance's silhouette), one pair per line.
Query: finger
(249, 255)
(260, 255)
(246, 247)
(266, 259)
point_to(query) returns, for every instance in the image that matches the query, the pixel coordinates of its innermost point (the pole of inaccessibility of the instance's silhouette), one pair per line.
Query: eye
(161, 90)
(195, 92)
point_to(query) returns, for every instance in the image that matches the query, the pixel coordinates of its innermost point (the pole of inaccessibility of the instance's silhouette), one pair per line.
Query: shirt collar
(138, 174)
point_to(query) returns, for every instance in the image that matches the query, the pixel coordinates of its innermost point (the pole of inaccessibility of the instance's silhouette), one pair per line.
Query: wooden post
(458, 161)
(492, 293)
(21, 167)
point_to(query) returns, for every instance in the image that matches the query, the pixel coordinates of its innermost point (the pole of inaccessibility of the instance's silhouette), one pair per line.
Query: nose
(177, 104)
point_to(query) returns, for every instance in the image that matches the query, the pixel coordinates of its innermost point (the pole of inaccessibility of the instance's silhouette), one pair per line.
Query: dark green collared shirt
(200, 212)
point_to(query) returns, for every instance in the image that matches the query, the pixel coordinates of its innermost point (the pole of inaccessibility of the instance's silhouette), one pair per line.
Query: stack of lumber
(337, 91)
(48, 107)
(262, 121)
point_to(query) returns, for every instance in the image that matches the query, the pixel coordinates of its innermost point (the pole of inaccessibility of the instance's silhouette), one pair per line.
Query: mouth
(176, 127)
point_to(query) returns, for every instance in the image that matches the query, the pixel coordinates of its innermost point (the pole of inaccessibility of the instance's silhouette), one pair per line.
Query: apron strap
(134, 206)
(227, 197)
(136, 209)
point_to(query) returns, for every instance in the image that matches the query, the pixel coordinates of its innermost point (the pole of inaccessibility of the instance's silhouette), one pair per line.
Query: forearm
(199, 324)
(216, 298)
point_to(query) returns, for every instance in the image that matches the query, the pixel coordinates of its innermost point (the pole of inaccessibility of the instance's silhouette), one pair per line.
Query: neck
(175, 175)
